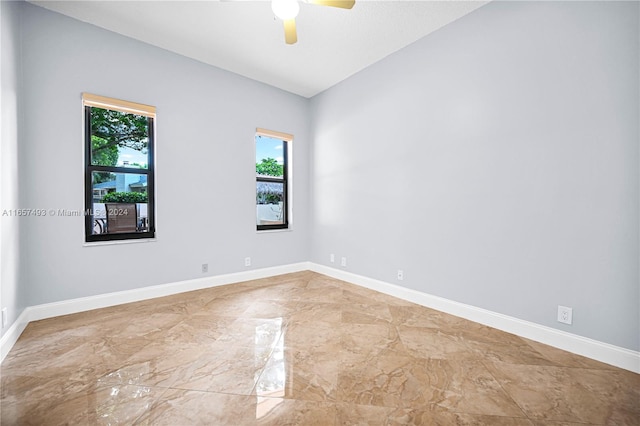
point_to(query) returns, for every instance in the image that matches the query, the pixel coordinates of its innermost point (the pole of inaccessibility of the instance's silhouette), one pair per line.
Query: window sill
(118, 242)
(270, 231)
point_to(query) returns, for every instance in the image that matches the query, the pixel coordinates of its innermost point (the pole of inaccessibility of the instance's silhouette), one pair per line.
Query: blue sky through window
(267, 147)
(131, 156)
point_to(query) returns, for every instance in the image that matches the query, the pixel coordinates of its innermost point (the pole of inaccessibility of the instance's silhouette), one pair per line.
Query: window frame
(286, 139)
(95, 101)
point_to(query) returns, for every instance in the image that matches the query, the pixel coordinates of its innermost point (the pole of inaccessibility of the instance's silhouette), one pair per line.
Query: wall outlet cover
(565, 314)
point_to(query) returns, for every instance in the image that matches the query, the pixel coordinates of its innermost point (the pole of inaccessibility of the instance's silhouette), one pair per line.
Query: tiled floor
(299, 349)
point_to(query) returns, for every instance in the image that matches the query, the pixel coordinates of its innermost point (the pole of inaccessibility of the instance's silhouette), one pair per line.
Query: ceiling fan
(287, 10)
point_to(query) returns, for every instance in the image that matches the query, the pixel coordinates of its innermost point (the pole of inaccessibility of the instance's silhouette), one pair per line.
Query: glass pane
(119, 203)
(269, 156)
(270, 203)
(119, 139)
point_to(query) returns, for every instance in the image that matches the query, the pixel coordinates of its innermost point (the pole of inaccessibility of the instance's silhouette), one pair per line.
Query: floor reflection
(271, 383)
(119, 397)
(119, 404)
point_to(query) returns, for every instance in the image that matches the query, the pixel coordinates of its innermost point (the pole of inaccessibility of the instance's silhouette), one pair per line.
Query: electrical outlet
(4, 317)
(332, 257)
(247, 261)
(400, 275)
(343, 262)
(205, 267)
(565, 315)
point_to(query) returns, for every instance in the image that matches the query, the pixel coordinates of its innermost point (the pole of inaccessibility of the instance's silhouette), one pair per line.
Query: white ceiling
(244, 36)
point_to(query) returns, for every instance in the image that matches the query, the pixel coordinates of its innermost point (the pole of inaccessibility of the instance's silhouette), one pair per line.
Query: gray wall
(206, 121)
(9, 172)
(496, 162)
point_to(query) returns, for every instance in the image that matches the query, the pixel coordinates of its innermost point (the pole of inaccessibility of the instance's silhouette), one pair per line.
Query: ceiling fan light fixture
(285, 9)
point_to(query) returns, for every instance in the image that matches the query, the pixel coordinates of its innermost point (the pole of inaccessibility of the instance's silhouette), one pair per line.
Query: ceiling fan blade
(343, 4)
(290, 35)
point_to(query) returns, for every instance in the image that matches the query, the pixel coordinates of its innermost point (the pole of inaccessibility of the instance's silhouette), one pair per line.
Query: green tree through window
(269, 167)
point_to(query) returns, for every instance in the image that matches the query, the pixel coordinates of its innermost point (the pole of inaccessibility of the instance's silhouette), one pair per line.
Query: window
(272, 196)
(119, 169)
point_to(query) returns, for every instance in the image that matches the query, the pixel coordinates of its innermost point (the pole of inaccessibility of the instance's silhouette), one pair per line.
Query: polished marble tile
(549, 393)
(566, 359)
(387, 381)
(464, 385)
(298, 349)
(190, 407)
(369, 415)
(228, 305)
(424, 342)
(76, 403)
(270, 308)
(290, 412)
(233, 370)
(496, 345)
(301, 375)
(370, 340)
(328, 294)
(252, 332)
(201, 327)
(313, 336)
(154, 326)
(363, 305)
(116, 405)
(315, 312)
(156, 364)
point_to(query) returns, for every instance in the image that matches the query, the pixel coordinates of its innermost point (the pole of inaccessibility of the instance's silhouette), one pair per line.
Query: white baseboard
(13, 334)
(600, 351)
(604, 352)
(82, 304)
(72, 306)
